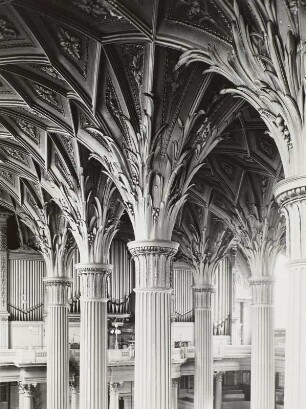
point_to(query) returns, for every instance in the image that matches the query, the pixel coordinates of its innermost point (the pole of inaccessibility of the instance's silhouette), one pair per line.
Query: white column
(57, 342)
(203, 378)
(174, 393)
(152, 323)
(20, 393)
(28, 390)
(291, 195)
(93, 341)
(74, 390)
(4, 329)
(246, 323)
(262, 361)
(218, 391)
(114, 395)
(127, 402)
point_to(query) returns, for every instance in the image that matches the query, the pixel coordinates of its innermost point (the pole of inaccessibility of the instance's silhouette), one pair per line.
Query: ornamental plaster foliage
(29, 130)
(114, 387)
(94, 280)
(99, 9)
(267, 70)
(70, 43)
(7, 30)
(203, 242)
(27, 388)
(93, 220)
(46, 94)
(262, 291)
(3, 237)
(52, 237)
(154, 186)
(57, 291)
(259, 237)
(153, 261)
(202, 297)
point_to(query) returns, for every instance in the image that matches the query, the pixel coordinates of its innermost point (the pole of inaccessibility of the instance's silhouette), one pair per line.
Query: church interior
(152, 204)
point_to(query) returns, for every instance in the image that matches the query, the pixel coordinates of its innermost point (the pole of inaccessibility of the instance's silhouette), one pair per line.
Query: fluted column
(262, 361)
(57, 342)
(218, 391)
(203, 336)
(291, 195)
(152, 323)
(74, 390)
(28, 390)
(114, 395)
(174, 393)
(93, 342)
(4, 335)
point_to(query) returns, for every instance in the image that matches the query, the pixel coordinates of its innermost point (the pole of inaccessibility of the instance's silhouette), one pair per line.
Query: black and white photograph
(152, 204)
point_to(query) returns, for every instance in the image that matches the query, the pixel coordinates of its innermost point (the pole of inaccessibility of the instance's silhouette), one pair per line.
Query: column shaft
(114, 395)
(218, 391)
(93, 343)
(127, 402)
(57, 343)
(74, 396)
(291, 195)
(174, 393)
(203, 385)
(152, 323)
(262, 361)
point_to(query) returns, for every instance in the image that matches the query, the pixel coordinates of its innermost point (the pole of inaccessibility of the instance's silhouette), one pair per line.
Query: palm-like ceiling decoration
(93, 86)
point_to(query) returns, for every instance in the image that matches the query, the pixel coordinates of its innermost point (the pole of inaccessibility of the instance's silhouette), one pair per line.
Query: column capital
(219, 376)
(94, 278)
(114, 387)
(74, 387)
(153, 262)
(26, 388)
(262, 290)
(175, 382)
(202, 296)
(290, 190)
(57, 290)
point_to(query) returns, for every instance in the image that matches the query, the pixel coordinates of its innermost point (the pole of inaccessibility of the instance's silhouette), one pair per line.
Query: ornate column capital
(175, 382)
(114, 387)
(290, 190)
(74, 387)
(94, 279)
(219, 377)
(26, 388)
(57, 290)
(262, 290)
(153, 262)
(202, 296)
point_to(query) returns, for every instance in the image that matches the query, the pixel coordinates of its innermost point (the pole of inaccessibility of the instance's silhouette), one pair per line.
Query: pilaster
(291, 196)
(27, 390)
(174, 393)
(203, 388)
(74, 393)
(93, 342)
(153, 260)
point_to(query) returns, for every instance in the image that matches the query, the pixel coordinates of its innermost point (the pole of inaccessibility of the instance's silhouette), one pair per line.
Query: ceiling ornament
(99, 9)
(204, 240)
(29, 129)
(7, 29)
(154, 186)
(266, 70)
(69, 43)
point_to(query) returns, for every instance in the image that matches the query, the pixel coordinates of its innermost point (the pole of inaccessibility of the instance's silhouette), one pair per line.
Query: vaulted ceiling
(70, 68)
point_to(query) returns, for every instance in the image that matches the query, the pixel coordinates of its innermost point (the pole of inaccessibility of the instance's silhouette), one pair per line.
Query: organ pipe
(26, 269)
(182, 289)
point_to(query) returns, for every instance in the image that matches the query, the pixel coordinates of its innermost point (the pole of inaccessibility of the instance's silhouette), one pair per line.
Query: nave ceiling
(85, 84)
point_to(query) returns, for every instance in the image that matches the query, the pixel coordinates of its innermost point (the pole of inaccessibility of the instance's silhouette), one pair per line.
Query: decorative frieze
(94, 280)
(153, 260)
(262, 290)
(202, 296)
